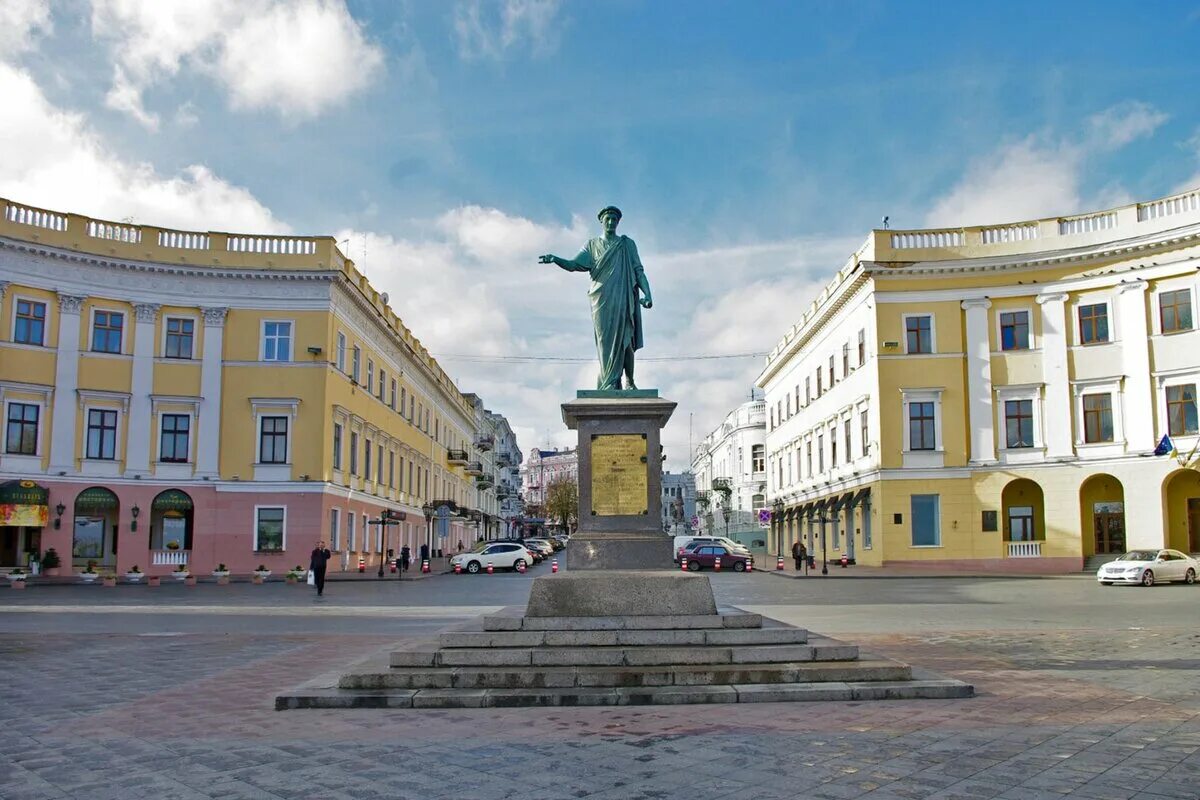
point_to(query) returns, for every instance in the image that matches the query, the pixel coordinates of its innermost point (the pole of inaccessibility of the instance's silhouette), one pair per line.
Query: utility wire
(480, 358)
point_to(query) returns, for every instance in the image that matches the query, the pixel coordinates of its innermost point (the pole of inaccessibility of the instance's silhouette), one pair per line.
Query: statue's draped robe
(616, 314)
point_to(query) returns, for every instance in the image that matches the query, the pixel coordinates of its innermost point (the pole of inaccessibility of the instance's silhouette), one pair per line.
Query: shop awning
(815, 508)
(172, 500)
(841, 502)
(94, 499)
(24, 503)
(862, 495)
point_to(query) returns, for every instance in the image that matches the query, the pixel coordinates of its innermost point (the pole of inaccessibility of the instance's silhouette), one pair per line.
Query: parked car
(541, 547)
(1149, 567)
(705, 555)
(683, 541)
(502, 555)
(557, 542)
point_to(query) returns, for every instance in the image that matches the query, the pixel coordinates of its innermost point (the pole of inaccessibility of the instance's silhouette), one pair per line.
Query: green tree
(562, 503)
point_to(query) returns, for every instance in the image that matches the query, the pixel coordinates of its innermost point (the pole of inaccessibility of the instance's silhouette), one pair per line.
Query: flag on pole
(1165, 446)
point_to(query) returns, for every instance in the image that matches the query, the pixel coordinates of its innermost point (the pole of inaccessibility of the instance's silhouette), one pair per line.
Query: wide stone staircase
(511, 660)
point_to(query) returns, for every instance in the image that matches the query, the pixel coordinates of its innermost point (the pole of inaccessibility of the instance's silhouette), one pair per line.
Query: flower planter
(180, 575)
(190, 580)
(262, 574)
(134, 577)
(110, 582)
(18, 584)
(51, 572)
(89, 577)
(153, 580)
(291, 577)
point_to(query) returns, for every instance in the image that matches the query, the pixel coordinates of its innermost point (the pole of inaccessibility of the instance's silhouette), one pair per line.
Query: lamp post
(824, 520)
(777, 518)
(386, 518)
(429, 511)
(134, 513)
(725, 512)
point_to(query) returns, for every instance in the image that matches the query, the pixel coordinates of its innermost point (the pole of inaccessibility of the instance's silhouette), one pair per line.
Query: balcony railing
(457, 457)
(722, 485)
(169, 558)
(1024, 549)
(485, 441)
(484, 482)
(474, 468)
(504, 459)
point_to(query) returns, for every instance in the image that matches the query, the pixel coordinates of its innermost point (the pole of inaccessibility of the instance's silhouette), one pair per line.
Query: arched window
(97, 517)
(171, 521)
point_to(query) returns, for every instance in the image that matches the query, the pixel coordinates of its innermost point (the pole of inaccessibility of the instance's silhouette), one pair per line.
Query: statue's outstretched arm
(565, 263)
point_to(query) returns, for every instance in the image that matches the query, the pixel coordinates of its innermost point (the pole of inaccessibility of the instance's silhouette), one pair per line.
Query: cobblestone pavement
(1080, 713)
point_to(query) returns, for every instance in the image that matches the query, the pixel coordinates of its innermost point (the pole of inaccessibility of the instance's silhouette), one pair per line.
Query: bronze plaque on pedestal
(619, 474)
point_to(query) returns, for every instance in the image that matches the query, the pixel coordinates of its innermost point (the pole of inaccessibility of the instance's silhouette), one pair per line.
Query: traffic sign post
(386, 517)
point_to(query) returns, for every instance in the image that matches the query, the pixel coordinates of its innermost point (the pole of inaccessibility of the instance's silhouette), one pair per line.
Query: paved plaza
(1083, 692)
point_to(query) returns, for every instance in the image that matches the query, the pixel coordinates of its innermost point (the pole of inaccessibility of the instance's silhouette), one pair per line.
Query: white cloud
(64, 165)
(297, 58)
(488, 31)
(20, 22)
(1041, 176)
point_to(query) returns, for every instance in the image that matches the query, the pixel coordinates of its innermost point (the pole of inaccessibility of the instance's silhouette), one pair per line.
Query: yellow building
(175, 397)
(991, 397)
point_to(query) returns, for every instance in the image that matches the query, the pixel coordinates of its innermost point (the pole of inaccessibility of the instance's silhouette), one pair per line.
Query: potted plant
(16, 578)
(51, 563)
(89, 573)
(173, 544)
(109, 579)
(221, 573)
(134, 575)
(153, 580)
(261, 574)
(181, 573)
(294, 574)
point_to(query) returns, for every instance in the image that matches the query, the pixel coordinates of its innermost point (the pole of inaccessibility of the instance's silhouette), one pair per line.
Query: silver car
(1149, 567)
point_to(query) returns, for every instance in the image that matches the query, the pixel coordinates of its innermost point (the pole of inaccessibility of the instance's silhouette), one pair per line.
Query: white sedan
(501, 555)
(1149, 567)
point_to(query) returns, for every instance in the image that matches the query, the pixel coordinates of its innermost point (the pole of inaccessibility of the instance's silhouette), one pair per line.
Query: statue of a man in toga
(617, 280)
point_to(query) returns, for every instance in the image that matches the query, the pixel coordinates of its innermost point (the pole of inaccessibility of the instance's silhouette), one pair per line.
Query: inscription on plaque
(619, 474)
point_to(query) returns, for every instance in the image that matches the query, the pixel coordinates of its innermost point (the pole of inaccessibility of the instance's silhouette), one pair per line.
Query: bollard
(749, 565)
(779, 563)
(458, 569)
(490, 571)
(392, 566)
(521, 567)
(717, 564)
(683, 563)
(845, 560)
(554, 566)
(362, 564)
(425, 565)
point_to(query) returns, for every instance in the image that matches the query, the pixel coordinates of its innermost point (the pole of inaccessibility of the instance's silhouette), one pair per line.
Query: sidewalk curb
(1005, 576)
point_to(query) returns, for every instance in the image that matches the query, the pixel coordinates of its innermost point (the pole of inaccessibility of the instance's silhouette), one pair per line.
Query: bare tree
(562, 503)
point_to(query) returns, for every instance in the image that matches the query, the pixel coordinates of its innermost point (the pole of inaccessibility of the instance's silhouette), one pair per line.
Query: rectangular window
(831, 372)
(173, 444)
(807, 390)
(1018, 422)
(272, 440)
(845, 359)
(833, 448)
(866, 439)
(180, 336)
(350, 531)
(335, 535)
(340, 355)
(797, 397)
(918, 334)
(820, 387)
(102, 434)
(846, 437)
(1181, 410)
(379, 464)
(1097, 418)
(403, 399)
(107, 327)
(922, 435)
(268, 530)
(337, 446)
(1014, 330)
(21, 438)
(758, 453)
(1175, 310)
(820, 454)
(353, 453)
(391, 470)
(808, 458)
(392, 396)
(1093, 323)
(277, 341)
(370, 376)
(382, 389)
(862, 347)
(355, 363)
(788, 407)
(30, 325)
(367, 459)
(410, 477)
(926, 525)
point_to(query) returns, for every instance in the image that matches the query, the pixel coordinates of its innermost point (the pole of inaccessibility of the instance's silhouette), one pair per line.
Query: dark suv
(705, 557)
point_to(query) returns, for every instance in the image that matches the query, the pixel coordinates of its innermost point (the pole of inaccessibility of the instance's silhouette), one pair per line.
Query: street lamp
(725, 512)
(386, 517)
(824, 520)
(429, 511)
(777, 518)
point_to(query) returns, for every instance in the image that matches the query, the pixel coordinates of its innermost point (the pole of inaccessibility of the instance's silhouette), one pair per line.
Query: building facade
(508, 477)
(678, 502)
(543, 468)
(198, 398)
(993, 396)
(730, 470)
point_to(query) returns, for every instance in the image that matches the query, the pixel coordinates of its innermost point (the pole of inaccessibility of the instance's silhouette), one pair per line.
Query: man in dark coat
(405, 558)
(317, 563)
(800, 553)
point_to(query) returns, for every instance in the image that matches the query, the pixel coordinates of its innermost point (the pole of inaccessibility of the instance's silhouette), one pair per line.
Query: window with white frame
(379, 464)
(1181, 409)
(370, 376)
(355, 363)
(1014, 330)
(337, 446)
(379, 393)
(21, 429)
(269, 528)
(367, 459)
(273, 440)
(353, 453)
(807, 390)
(922, 420)
(845, 359)
(1018, 423)
(339, 358)
(862, 347)
(107, 328)
(821, 453)
(29, 322)
(277, 341)
(846, 439)
(918, 333)
(1093, 323)
(350, 531)
(863, 432)
(1175, 310)
(1097, 418)
(174, 434)
(392, 396)
(808, 458)
(758, 456)
(101, 434)
(335, 533)
(180, 337)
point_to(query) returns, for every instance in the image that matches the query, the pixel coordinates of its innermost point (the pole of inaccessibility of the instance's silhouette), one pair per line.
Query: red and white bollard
(362, 564)
(425, 565)
(392, 565)
(779, 563)
(521, 566)
(749, 565)
(683, 563)
(458, 569)
(845, 560)
(554, 566)
(490, 570)
(717, 564)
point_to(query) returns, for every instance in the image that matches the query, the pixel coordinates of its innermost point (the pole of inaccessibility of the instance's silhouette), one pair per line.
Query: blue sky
(751, 145)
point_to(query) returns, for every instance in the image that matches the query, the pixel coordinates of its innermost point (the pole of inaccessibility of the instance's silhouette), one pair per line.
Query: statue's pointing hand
(546, 259)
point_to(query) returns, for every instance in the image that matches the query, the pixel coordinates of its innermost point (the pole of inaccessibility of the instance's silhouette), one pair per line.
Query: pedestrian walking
(800, 554)
(424, 553)
(460, 547)
(317, 563)
(405, 557)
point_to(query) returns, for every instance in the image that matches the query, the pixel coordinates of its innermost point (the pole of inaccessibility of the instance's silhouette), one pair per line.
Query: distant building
(678, 501)
(508, 474)
(543, 468)
(730, 470)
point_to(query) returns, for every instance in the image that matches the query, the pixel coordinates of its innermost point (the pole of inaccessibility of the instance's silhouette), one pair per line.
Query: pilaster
(1133, 329)
(137, 450)
(1057, 404)
(66, 382)
(208, 434)
(979, 381)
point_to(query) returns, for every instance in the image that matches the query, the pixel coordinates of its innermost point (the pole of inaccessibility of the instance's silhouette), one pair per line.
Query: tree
(562, 503)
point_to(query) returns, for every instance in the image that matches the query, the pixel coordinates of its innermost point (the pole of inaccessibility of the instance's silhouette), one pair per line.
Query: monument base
(608, 551)
(620, 593)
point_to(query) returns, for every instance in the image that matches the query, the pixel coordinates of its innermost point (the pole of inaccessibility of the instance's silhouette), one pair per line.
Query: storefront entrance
(23, 513)
(97, 515)
(1108, 524)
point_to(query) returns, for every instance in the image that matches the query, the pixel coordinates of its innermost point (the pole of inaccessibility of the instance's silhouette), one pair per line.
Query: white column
(1057, 405)
(66, 381)
(1133, 329)
(139, 424)
(208, 434)
(979, 381)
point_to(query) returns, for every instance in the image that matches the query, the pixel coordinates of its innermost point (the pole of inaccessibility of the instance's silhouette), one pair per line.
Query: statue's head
(609, 216)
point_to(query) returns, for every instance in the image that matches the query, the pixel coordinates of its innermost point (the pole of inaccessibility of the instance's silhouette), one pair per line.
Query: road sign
(764, 518)
(695, 521)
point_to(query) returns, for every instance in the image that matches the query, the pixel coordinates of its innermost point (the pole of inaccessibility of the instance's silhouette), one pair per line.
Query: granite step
(617, 696)
(643, 676)
(503, 622)
(619, 637)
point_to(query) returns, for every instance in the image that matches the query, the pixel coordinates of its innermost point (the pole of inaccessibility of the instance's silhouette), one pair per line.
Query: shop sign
(24, 504)
(96, 498)
(172, 500)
